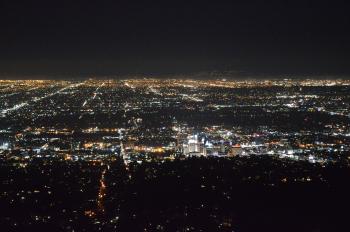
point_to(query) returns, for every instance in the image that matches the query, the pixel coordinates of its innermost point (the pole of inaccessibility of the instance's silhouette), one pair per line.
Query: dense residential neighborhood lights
(172, 155)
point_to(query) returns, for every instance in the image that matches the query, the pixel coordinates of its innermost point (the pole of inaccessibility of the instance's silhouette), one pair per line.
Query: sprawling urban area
(174, 155)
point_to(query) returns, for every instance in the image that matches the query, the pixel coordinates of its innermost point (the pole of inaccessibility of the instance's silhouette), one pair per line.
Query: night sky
(79, 38)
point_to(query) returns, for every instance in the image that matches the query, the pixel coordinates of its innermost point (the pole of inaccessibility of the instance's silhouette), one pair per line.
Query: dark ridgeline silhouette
(239, 194)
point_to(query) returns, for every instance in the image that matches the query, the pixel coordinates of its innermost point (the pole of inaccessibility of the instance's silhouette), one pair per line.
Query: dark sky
(173, 37)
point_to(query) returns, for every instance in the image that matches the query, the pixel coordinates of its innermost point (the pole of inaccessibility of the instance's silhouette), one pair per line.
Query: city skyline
(173, 116)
